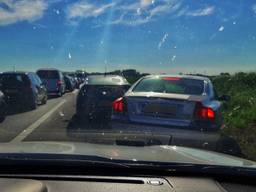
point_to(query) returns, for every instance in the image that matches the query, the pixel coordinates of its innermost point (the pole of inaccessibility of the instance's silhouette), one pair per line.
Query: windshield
(174, 77)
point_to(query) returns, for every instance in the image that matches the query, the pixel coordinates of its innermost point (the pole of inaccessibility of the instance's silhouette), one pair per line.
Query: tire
(2, 118)
(60, 94)
(33, 105)
(44, 101)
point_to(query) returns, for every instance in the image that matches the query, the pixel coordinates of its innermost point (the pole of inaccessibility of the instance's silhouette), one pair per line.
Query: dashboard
(117, 184)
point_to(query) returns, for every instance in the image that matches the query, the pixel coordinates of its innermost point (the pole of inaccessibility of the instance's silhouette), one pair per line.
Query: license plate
(159, 108)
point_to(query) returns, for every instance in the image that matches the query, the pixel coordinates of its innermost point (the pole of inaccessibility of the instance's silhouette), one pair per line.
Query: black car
(70, 83)
(2, 106)
(97, 94)
(23, 89)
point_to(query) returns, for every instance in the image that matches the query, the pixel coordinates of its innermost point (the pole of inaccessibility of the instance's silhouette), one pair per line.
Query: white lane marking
(36, 124)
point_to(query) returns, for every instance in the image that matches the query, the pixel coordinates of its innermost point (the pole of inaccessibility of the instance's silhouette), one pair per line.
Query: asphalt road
(56, 121)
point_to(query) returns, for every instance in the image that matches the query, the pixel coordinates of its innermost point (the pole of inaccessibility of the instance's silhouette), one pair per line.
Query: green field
(240, 113)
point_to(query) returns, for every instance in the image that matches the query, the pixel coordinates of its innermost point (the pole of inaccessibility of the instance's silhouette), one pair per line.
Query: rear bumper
(179, 136)
(206, 126)
(97, 112)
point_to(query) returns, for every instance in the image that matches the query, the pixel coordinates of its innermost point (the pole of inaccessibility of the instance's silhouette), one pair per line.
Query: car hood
(161, 153)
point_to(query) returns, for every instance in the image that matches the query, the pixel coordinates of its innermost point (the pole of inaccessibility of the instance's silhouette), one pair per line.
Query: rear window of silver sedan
(175, 85)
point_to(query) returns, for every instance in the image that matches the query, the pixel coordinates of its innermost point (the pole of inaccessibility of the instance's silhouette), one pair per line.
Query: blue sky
(153, 36)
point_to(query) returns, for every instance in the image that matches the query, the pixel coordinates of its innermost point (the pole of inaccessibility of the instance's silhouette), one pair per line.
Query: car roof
(196, 77)
(106, 80)
(17, 72)
(48, 69)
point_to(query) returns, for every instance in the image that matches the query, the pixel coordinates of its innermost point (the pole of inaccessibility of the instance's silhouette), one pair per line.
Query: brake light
(203, 112)
(171, 78)
(119, 105)
(59, 83)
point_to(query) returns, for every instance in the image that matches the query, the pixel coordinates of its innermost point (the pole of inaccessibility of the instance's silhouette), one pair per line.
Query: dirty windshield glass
(175, 75)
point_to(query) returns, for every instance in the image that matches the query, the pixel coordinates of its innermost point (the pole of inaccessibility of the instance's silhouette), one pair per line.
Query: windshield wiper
(90, 162)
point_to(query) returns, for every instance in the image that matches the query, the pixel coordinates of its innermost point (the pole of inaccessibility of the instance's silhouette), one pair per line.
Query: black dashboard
(36, 183)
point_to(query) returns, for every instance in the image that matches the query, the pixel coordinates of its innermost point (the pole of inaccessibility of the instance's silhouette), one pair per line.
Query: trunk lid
(162, 108)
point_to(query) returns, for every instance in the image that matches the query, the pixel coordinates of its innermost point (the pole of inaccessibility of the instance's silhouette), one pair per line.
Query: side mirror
(224, 98)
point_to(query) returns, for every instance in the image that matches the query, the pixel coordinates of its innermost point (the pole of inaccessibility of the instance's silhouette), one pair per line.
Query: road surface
(56, 121)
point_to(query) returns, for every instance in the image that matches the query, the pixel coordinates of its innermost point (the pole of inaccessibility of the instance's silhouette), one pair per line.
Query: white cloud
(84, 10)
(135, 13)
(145, 3)
(23, 10)
(201, 12)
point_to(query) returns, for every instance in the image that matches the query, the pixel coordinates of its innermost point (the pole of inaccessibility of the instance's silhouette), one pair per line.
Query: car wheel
(2, 118)
(34, 104)
(60, 94)
(44, 101)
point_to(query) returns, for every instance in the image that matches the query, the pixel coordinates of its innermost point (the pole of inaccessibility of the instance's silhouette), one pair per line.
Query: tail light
(119, 105)
(59, 83)
(204, 113)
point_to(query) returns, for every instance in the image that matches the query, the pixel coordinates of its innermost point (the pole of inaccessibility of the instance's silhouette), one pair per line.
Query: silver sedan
(179, 101)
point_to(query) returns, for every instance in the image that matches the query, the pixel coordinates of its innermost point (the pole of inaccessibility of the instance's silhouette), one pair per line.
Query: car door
(38, 87)
(63, 84)
(42, 88)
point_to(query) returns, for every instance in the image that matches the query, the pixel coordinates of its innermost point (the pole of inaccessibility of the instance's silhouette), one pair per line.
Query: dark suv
(23, 89)
(97, 94)
(53, 80)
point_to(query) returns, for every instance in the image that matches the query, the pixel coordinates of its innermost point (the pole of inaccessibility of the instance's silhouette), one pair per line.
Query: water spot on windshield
(69, 56)
(173, 58)
(163, 40)
(56, 11)
(101, 43)
(138, 11)
(221, 28)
